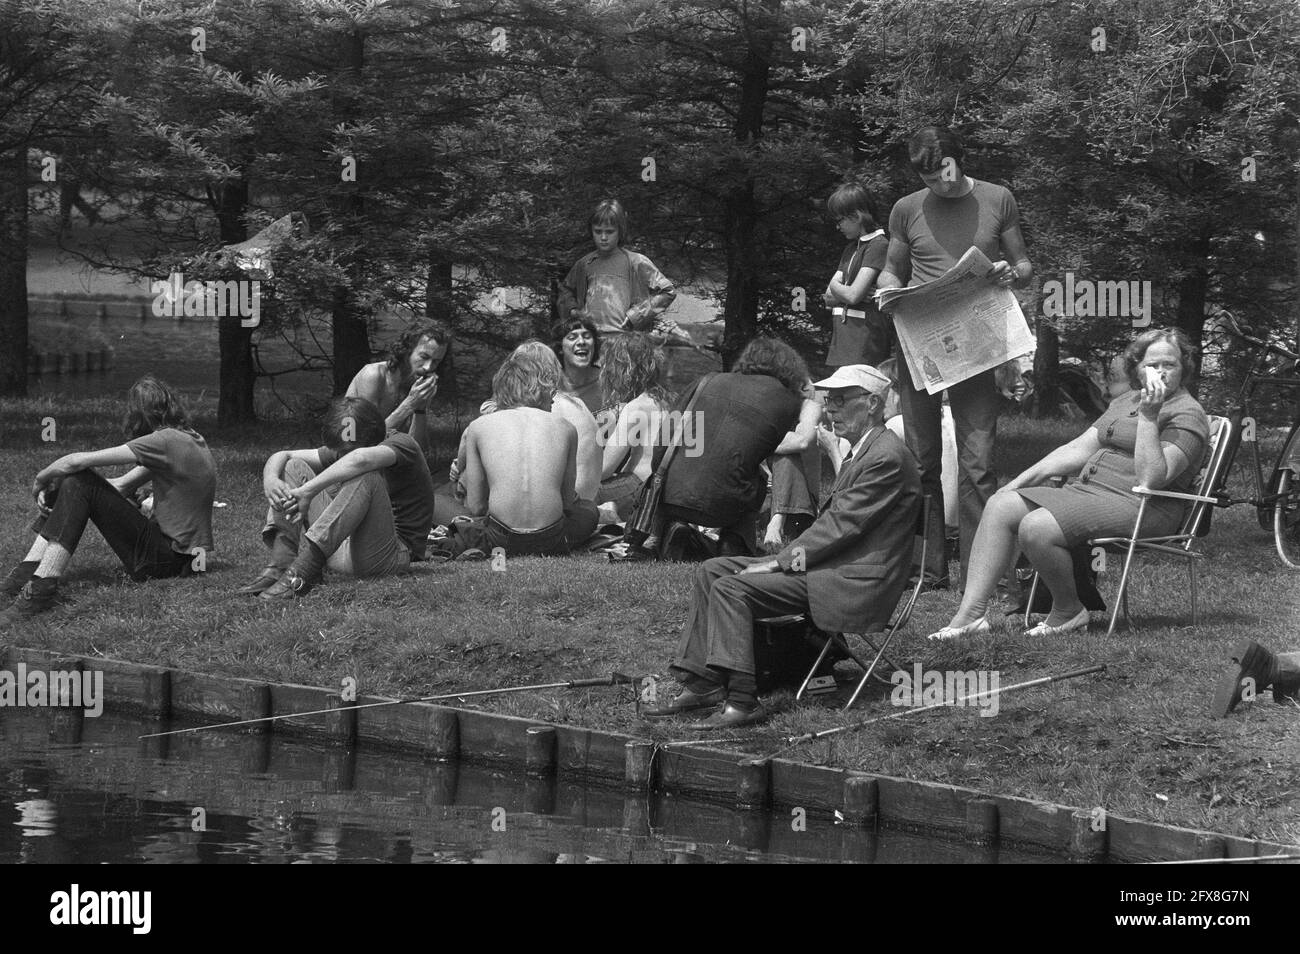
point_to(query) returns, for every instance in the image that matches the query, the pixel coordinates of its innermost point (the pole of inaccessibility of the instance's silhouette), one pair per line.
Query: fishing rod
(792, 741)
(1226, 861)
(614, 679)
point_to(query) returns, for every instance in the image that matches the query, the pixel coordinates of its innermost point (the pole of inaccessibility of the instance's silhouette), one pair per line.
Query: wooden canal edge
(740, 779)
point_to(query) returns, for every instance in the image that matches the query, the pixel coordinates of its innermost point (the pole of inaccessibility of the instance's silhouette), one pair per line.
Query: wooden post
(982, 821)
(1210, 845)
(69, 719)
(753, 783)
(444, 735)
(1086, 845)
(539, 794)
(257, 705)
(539, 750)
(861, 801)
(639, 767)
(341, 722)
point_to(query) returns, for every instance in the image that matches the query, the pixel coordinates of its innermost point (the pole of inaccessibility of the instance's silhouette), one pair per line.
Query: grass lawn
(1135, 740)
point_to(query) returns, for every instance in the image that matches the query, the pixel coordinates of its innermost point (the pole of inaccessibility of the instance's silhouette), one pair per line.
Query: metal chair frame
(1212, 476)
(885, 637)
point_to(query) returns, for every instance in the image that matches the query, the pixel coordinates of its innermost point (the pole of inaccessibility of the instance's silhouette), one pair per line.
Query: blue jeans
(975, 418)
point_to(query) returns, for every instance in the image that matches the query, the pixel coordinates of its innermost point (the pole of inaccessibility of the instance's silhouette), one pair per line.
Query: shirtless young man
(520, 470)
(403, 385)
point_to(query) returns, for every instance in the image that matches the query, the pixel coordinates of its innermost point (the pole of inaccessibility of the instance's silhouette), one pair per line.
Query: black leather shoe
(688, 701)
(730, 717)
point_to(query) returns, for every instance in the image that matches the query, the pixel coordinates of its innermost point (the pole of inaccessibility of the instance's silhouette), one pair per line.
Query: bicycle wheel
(1286, 508)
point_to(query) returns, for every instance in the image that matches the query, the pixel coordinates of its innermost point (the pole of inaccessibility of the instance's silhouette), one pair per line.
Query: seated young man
(403, 385)
(362, 504)
(846, 571)
(168, 454)
(520, 471)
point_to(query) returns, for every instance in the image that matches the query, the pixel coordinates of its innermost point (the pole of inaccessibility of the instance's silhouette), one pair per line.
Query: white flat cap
(856, 376)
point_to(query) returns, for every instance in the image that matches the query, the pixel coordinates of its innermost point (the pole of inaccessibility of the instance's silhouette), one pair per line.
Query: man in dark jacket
(847, 570)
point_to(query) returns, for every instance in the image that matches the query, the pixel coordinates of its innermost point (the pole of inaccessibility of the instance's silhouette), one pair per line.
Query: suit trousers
(975, 418)
(719, 631)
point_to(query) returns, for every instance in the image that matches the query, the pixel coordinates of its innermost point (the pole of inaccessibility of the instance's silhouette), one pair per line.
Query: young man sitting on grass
(520, 471)
(362, 504)
(166, 452)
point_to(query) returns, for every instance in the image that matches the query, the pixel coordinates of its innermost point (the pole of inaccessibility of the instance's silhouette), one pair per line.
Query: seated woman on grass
(635, 403)
(173, 541)
(1153, 436)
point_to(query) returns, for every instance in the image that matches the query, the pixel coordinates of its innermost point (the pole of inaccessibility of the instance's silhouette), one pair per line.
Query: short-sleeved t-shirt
(184, 485)
(939, 231)
(607, 287)
(1181, 422)
(410, 489)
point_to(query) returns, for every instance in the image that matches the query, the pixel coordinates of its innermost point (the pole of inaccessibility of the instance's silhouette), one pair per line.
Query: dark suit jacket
(858, 552)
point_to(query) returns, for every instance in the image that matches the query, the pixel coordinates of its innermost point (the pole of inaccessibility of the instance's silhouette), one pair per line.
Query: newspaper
(958, 325)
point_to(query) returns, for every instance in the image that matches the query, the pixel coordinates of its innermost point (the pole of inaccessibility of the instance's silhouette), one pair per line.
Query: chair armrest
(1173, 495)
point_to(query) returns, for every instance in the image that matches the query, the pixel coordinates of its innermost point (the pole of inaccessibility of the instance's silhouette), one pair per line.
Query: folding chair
(837, 640)
(1208, 491)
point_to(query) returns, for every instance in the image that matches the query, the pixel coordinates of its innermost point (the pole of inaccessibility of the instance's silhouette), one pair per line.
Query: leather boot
(37, 595)
(301, 577)
(1252, 665)
(283, 553)
(17, 579)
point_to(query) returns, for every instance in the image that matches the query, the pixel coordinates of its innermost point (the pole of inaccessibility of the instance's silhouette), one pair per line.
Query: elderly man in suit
(847, 569)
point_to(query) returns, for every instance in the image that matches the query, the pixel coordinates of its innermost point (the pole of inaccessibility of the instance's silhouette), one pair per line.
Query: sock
(742, 690)
(54, 562)
(37, 551)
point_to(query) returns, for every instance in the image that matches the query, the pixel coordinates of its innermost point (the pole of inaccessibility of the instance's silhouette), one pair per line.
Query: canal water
(88, 791)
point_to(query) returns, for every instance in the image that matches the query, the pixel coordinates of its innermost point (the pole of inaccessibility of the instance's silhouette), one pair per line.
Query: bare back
(520, 465)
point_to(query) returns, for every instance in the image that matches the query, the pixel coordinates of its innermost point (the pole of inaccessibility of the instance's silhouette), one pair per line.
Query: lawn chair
(1208, 490)
(837, 640)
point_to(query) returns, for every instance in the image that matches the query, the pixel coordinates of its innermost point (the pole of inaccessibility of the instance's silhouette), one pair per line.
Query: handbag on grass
(640, 524)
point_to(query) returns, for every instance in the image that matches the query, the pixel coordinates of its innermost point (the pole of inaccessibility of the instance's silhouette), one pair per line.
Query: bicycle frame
(1265, 496)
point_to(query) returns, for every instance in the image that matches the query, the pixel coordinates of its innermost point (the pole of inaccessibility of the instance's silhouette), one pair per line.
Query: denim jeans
(975, 418)
(351, 523)
(145, 551)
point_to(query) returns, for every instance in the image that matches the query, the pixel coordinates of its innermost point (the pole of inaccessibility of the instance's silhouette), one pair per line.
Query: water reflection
(223, 798)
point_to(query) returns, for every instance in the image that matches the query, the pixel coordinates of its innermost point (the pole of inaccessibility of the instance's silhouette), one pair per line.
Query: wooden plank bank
(980, 821)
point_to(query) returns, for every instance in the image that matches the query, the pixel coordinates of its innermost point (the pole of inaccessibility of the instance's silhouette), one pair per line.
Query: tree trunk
(235, 342)
(351, 340)
(1046, 401)
(740, 227)
(437, 289)
(351, 337)
(1191, 293)
(13, 274)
